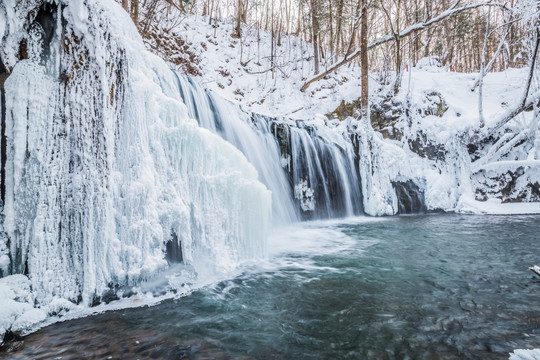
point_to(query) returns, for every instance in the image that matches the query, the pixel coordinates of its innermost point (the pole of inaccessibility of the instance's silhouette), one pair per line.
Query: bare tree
(364, 65)
(315, 33)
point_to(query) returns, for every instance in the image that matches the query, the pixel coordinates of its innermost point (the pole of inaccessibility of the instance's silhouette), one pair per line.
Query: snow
(304, 193)
(17, 310)
(494, 206)
(535, 269)
(240, 71)
(524, 354)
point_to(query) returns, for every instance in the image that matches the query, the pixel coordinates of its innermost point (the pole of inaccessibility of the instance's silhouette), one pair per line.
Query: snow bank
(17, 310)
(522, 354)
(496, 207)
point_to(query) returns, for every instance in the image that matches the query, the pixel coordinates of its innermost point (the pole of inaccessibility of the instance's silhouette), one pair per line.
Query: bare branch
(405, 32)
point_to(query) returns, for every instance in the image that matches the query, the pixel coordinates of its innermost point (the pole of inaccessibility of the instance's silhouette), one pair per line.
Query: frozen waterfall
(309, 166)
(117, 167)
(105, 172)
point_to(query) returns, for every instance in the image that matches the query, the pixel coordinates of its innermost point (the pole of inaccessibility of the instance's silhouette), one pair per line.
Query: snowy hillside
(435, 110)
(240, 70)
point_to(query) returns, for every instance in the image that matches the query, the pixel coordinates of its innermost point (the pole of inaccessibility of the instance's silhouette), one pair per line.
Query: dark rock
(173, 249)
(108, 296)
(506, 186)
(12, 342)
(345, 110)
(411, 198)
(427, 149)
(282, 134)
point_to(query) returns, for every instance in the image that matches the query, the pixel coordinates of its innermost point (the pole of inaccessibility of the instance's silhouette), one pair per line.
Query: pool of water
(418, 287)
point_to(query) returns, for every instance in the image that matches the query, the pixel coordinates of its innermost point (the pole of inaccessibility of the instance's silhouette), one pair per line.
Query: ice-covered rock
(17, 312)
(104, 164)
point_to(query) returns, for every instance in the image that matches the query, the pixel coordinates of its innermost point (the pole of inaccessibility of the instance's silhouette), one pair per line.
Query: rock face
(385, 113)
(345, 110)
(521, 184)
(426, 148)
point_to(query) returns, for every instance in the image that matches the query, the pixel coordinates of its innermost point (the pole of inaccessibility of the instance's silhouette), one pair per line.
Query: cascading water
(309, 168)
(254, 139)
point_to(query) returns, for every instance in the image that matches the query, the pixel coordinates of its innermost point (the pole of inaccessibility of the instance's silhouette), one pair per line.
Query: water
(437, 286)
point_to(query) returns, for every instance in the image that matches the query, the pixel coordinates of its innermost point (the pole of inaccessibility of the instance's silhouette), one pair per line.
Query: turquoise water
(418, 287)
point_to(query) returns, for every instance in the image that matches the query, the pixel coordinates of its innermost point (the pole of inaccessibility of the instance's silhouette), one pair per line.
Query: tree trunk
(135, 12)
(364, 65)
(397, 83)
(339, 35)
(125, 5)
(315, 34)
(238, 27)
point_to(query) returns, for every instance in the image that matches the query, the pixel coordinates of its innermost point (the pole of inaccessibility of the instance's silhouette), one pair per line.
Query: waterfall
(309, 167)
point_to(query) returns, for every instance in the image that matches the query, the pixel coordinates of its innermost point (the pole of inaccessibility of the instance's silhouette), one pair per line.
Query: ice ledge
(467, 204)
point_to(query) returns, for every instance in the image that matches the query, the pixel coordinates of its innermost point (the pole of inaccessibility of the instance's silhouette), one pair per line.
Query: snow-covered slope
(240, 70)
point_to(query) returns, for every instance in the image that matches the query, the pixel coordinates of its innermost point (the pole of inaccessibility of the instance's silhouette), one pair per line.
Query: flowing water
(435, 286)
(310, 169)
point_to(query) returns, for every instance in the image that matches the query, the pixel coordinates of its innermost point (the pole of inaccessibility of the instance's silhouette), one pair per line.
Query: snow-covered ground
(240, 70)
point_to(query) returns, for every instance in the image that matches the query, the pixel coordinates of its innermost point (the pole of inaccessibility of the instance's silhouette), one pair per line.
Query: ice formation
(319, 179)
(104, 167)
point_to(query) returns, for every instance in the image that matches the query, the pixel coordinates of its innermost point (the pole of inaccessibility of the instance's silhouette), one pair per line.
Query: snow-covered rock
(17, 312)
(525, 354)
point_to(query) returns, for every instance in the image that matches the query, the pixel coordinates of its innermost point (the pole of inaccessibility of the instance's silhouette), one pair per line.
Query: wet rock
(173, 249)
(108, 296)
(12, 342)
(282, 134)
